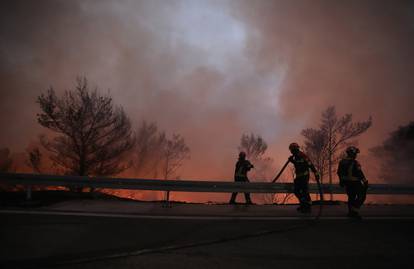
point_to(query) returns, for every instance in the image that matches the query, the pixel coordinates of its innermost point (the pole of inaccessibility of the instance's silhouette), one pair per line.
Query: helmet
(294, 146)
(242, 155)
(352, 151)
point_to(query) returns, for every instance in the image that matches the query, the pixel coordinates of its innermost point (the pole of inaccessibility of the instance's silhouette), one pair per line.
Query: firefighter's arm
(251, 165)
(364, 179)
(361, 174)
(313, 169)
(364, 182)
(248, 165)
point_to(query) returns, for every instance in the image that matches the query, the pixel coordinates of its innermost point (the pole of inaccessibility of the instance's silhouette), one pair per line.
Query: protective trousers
(357, 193)
(301, 190)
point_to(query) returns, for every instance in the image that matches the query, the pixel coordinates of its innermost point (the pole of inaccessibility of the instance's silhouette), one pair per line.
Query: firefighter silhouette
(302, 165)
(240, 175)
(353, 179)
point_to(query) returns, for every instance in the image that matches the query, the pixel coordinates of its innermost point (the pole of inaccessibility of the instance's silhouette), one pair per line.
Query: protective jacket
(240, 172)
(350, 170)
(302, 164)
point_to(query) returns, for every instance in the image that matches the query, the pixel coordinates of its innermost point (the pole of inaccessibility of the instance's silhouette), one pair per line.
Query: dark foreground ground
(120, 234)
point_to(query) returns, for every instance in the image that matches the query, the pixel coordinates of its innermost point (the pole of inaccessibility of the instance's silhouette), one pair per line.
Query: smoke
(396, 155)
(354, 55)
(213, 70)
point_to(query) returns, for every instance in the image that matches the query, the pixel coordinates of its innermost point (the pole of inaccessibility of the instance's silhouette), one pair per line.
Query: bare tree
(93, 134)
(148, 149)
(174, 152)
(5, 160)
(333, 135)
(316, 148)
(253, 145)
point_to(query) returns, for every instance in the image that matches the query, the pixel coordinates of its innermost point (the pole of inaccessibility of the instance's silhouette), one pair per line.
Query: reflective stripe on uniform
(302, 174)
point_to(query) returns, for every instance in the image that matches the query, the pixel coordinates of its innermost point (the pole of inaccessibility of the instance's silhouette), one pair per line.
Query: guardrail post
(167, 199)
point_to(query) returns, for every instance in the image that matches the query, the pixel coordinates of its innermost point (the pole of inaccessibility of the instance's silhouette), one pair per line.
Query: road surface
(117, 234)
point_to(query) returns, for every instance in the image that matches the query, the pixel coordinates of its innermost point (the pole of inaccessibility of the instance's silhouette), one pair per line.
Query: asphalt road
(199, 236)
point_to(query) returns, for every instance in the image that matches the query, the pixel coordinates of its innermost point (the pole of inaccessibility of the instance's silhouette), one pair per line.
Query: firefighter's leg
(302, 193)
(296, 189)
(247, 197)
(351, 191)
(307, 201)
(297, 192)
(233, 198)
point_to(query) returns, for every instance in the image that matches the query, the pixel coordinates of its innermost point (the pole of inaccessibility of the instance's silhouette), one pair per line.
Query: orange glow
(213, 70)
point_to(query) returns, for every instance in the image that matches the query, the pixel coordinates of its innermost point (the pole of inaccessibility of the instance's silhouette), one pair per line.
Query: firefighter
(240, 175)
(353, 179)
(301, 182)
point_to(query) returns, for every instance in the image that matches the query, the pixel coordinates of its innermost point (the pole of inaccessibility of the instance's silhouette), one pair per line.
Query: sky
(213, 70)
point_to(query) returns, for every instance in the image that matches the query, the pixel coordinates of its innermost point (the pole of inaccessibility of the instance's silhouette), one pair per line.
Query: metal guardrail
(182, 185)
